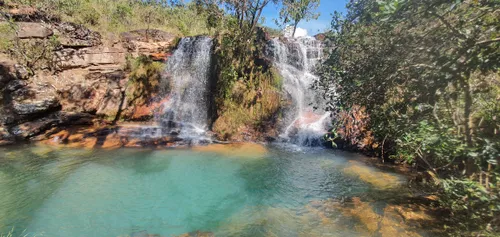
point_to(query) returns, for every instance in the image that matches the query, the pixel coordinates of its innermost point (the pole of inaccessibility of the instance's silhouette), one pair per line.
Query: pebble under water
(246, 190)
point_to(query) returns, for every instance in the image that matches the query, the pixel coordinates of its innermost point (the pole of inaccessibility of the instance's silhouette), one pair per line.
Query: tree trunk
(294, 28)
(470, 164)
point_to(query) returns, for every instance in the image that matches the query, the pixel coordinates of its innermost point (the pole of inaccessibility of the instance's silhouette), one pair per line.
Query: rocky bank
(66, 75)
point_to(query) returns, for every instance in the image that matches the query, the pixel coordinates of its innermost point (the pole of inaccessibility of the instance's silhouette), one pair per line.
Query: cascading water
(296, 60)
(188, 71)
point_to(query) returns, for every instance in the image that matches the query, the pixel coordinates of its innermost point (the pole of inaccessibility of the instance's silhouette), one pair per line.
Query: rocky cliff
(56, 74)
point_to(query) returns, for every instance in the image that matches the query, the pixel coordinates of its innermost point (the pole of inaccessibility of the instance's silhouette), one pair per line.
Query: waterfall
(296, 60)
(188, 73)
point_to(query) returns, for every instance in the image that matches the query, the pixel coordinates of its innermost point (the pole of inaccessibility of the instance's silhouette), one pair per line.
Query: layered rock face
(85, 83)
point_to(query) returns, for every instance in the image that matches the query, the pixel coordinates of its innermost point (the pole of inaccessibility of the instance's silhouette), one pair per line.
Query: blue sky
(326, 8)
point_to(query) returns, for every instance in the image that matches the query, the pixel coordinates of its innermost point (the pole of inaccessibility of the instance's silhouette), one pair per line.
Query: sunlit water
(51, 192)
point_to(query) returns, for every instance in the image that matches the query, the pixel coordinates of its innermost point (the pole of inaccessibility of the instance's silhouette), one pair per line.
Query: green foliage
(33, 54)
(247, 91)
(294, 11)
(116, 16)
(436, 147)
(427, 73)
(144, 79)
(475, 208)
(8, 36)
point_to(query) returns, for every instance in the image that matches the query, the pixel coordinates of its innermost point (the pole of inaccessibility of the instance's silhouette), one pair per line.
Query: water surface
(281, 192)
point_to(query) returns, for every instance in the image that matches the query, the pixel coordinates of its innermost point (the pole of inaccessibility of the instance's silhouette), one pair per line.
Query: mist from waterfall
(188, 73)
(296, 60)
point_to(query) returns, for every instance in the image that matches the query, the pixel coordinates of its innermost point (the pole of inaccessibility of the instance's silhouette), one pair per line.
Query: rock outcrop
(31, 30)
(88, 83)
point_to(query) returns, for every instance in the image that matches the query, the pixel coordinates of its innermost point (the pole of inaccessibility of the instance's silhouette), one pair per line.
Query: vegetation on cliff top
(116, 16)
(418, 82)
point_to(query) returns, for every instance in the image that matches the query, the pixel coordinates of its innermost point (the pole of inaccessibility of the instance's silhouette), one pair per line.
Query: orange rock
(160, 56)
(133, 143)
(148, 110)
(112, 141)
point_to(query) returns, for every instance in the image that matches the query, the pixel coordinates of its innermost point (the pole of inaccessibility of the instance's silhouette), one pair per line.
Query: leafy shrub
(434, 147)
(473, 207)
(144, 79)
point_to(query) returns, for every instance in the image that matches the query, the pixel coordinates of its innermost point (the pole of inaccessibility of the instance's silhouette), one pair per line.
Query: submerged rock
(144, 234)
(378, 179)
(244, 150)
(370, 219)
(197, 234)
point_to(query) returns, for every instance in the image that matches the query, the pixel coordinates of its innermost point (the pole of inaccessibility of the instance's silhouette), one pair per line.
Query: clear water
(63, 192)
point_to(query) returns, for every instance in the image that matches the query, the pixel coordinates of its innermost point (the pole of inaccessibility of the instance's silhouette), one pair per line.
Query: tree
(294, 11)
(246, 12)
(427, 73)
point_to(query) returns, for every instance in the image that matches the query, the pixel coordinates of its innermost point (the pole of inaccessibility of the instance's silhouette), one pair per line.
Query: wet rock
(31, 129)
(30, 30)
(30, 108)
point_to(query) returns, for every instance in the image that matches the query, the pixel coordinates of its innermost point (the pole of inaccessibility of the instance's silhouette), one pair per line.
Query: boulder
(30, 30)
(35, 107)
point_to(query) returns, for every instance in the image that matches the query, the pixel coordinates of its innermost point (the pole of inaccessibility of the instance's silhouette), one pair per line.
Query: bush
(144, 79)
(473, 207)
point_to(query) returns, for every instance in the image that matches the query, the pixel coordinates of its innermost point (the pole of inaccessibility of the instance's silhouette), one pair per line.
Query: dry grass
(111, 17)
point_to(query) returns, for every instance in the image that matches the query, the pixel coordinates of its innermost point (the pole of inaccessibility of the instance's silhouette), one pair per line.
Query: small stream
(227, 190)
